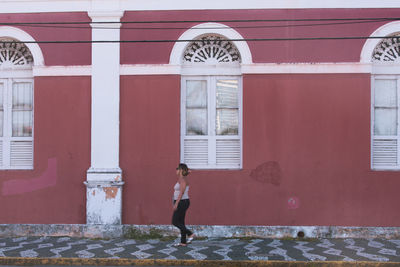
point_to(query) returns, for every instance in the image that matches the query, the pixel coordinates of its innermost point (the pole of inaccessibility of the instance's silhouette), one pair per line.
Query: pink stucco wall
(63, 54)
(54, 191)
(262, 51)
(306, 155)
(306, 137)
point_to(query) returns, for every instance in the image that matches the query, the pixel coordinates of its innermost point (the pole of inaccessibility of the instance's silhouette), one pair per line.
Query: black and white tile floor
(210, 249)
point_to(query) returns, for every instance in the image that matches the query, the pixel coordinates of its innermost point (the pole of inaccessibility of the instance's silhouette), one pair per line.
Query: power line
(181, 41)
(209, 28)
(197, 21)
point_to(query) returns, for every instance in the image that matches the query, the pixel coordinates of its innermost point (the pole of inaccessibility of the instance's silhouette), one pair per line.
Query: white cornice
(255, 4)
(105, 16)
(37, 6)
(34, 6)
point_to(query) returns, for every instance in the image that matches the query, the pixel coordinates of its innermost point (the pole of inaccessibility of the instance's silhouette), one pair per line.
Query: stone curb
(218, 231)
(210, 263)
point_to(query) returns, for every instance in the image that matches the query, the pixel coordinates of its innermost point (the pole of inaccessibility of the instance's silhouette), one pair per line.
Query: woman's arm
(182, 188)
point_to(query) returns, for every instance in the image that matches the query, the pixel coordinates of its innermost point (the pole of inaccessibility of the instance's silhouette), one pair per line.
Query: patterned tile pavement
(380, 250)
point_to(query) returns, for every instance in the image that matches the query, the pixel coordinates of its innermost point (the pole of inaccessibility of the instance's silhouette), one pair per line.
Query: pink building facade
(288, 115)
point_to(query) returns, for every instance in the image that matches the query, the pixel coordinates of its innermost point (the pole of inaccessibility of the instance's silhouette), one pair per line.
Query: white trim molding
(20, 35)
(210, 28)
(255, 68)
(36, 6)
(149, 69)
(62, 70)
(310, 68)
(10, 73)
(370, 44)
(255, 4)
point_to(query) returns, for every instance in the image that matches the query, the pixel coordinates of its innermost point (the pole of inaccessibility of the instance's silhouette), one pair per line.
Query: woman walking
(181, 204)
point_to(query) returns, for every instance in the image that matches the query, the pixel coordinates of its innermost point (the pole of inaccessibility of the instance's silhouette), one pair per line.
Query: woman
(181, 204)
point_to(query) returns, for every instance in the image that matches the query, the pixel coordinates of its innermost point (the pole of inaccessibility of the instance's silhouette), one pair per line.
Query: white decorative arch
(210, 28)
(370, 44)
(20, 35)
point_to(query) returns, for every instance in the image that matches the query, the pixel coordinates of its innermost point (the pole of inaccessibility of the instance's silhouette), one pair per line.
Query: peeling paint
(104, 202)
(111, 192)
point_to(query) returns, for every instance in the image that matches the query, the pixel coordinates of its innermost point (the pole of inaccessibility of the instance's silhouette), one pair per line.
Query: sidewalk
(204, 252)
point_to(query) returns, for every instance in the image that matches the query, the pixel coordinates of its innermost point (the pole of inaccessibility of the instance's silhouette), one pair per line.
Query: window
(385, 105)
(16, 107)
(211, 107)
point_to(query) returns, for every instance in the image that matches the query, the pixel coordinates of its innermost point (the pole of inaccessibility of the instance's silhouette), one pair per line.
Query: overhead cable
(181, 41)
(198, 21)
(209, 27)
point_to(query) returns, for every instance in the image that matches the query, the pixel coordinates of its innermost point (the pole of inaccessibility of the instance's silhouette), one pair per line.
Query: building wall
(306, 137)
(306, 155)
(61, 54)
(262, 51)
(54, 191)
(149, 153)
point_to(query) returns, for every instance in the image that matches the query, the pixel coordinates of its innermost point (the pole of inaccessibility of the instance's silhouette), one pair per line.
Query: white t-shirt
(177, 191)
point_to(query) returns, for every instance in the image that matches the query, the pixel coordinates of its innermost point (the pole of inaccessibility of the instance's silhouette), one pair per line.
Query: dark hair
(184, 168)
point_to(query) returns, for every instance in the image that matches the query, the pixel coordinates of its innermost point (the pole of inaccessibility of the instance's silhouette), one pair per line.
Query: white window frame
(211, 113)
(382, 137)
(7, 137)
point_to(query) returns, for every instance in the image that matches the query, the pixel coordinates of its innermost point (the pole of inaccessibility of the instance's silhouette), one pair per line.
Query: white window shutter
(385, 153)
(228, 152)
(21, 154)
(196, 152)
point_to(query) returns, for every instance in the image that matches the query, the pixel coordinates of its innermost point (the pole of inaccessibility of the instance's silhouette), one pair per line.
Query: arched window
(385, 103)
(211, 104)
(16, 105)
(211, 49)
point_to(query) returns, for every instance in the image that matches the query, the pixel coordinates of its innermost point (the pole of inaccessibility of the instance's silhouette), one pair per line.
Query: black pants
(178, 219)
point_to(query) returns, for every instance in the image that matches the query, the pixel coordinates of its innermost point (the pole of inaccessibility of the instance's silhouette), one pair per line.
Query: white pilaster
(104, 178)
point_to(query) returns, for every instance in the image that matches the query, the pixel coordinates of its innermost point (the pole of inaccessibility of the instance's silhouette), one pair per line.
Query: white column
(104, 177)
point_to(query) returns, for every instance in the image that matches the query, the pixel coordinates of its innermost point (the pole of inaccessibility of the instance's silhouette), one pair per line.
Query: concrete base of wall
(115, 231)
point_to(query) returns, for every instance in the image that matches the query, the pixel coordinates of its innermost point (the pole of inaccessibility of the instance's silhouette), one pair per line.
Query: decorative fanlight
(211, 49)
(13, 54)
(388, 50)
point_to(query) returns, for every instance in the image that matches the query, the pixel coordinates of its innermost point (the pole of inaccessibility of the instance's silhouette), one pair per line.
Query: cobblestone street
(209, 249)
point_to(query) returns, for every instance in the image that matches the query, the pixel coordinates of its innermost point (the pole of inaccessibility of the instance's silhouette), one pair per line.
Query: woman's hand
(176, 206)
